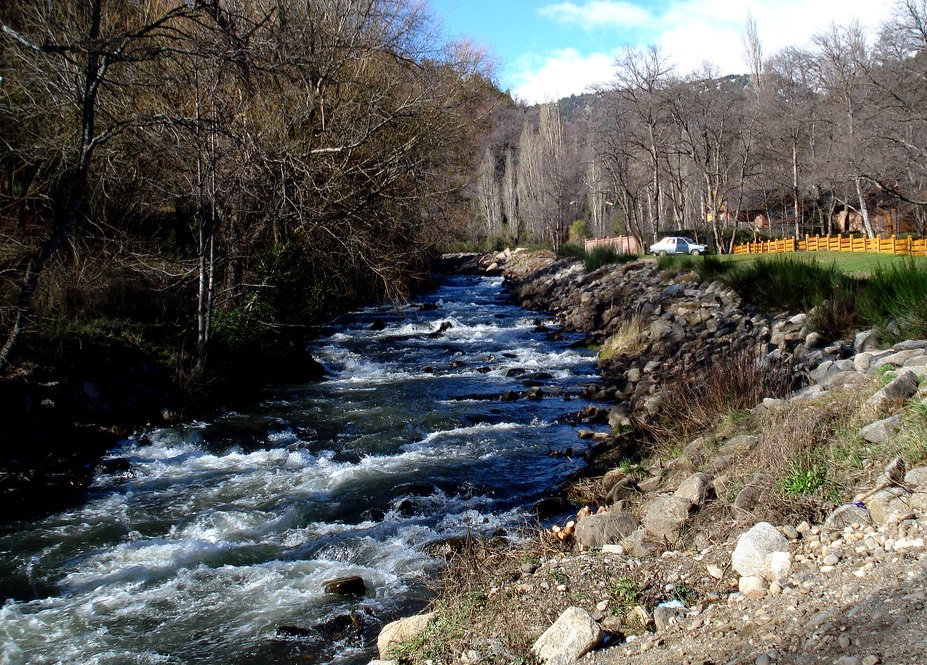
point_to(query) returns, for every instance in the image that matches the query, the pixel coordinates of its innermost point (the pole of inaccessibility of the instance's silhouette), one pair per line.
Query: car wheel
(662, 252)
(695, 252)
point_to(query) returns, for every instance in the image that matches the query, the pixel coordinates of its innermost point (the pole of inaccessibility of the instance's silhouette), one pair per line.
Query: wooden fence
(891, 245)
(621, 244)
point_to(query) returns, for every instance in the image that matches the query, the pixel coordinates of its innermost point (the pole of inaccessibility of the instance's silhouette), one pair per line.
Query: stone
(694, 488)
(738, 445)
(665, 616)
(911, 344)
(395, 633)
(861, 341)
(346, 586)
(649, 484)
(638, 544)
(572, 636)
(665, 516)
(752, 586)
(847, 515)
(610, 527)
(753, 548)
(882, 431)
(916, 477)
(895, 393)
(888, 504)
(823, 371)
(899, 358)
(715, 571)
(778, 566)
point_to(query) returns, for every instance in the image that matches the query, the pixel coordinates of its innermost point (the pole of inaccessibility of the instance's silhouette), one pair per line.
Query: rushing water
(222, 533)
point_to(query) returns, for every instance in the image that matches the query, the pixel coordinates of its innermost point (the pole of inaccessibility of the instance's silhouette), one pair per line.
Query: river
(213, 544)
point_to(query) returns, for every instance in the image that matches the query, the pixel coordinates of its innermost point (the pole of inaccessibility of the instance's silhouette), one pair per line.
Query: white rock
(395, 633)
(752, 586)
(778, 566)
(694, 488)
(753, 548)
(572, 636)
(715, 571)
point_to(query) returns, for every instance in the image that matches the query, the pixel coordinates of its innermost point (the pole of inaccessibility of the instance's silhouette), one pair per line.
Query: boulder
(346, 586)
(847, 515)
(899, 358)
(665, 517)
(639, 544)
(611, 527)
(694, 488)
(882, 431)
(754, 547)
(571, 637)
(895, 393)
(403, 630)
(916, 478)
(889, 504)
(738, 445)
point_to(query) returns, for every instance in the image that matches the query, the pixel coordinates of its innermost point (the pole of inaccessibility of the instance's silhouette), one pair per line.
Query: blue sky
(548, 49)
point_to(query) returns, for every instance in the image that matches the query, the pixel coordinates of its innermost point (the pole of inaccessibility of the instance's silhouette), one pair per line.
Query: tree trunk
(863, 208)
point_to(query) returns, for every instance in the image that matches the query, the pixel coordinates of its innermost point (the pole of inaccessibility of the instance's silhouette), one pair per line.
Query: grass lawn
(855, 264)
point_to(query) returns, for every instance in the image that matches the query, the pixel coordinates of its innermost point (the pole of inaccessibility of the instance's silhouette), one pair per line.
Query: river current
(214, 545)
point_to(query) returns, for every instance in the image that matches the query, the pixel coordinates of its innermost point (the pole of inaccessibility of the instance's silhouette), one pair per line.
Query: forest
(831, 138)
(206, 178)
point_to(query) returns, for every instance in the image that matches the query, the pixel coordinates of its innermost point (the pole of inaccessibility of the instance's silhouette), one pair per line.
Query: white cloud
(689, 32)
(560, 74)
(598, 14)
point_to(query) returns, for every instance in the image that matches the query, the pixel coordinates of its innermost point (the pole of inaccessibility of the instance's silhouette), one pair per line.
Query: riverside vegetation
(797, 418)
(186, 187)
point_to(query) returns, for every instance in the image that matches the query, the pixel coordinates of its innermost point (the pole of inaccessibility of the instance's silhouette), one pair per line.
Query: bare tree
(72, 51)
(841, 69)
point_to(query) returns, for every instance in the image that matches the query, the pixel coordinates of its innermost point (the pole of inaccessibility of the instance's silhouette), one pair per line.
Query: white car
(677, 245)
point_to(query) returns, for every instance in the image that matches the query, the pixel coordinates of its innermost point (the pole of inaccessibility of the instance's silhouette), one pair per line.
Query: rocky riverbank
(792, 532)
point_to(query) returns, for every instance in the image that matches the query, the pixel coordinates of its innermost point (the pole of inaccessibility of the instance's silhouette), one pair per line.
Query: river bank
(834, 461)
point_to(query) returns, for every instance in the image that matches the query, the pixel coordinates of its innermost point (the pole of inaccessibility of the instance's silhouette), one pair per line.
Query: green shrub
(603, 256)
(899, 294)
(579, 230)
(678, 263)
(804, 480)
(785, 283)
(572, 250)
(710, 267)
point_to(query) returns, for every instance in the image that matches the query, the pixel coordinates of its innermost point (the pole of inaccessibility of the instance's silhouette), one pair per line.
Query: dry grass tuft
(627, 340)
(695, 404)
(587, 491)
